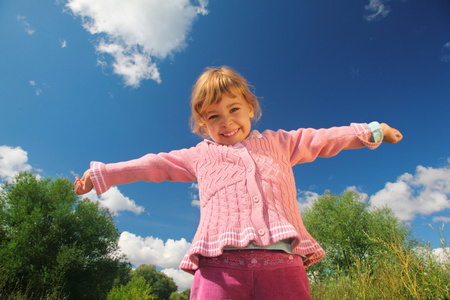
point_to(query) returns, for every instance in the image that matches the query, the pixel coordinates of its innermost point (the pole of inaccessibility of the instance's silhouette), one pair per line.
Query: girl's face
(229, 121)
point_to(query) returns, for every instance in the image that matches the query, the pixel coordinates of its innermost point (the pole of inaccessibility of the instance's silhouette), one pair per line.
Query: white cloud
(439, 255)
(137, 33)
(25, 24)
(424, 193)
(12, 161)
(182, 279)
(445, 52)
(115, 201)
(37, 90)
(377, 9)
(364, 196)
(305, 198)
(195, 203)
(442, 255)
(441, 219)
(194, 195)
(149, 250)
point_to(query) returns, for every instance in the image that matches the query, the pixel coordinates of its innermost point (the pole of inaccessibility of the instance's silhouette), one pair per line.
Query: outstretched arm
(83, 185)
(390, 135)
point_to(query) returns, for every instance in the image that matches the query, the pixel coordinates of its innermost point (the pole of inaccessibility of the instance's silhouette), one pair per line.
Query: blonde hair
(209, 89)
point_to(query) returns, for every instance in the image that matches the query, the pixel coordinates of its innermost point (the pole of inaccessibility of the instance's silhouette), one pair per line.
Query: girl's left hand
(390, 135)
(83, 185)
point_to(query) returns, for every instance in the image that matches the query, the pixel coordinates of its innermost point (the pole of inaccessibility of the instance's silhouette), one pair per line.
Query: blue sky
(110, 81)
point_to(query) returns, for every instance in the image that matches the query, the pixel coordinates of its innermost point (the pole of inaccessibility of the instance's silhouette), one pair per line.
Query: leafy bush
(162, 285)
(136, 289)
(180, 296)
(52, 244)
(401, 274)
(343, 225)
(371, 254)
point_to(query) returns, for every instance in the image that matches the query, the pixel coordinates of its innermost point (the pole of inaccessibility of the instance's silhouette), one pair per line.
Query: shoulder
(281, 135)
(268, 139)
(191, 153)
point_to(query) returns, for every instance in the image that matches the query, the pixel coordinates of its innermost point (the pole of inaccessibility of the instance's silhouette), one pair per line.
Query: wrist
(377, 132)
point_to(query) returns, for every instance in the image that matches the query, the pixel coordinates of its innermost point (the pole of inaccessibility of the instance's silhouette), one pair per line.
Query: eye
(234, 109)
(212, 117)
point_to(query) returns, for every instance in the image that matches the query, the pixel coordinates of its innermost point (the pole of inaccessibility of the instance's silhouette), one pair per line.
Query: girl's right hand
(390, 135)
(83, 185)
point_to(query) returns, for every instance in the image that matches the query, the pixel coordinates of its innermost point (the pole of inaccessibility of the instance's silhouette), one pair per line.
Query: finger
(398, 135)
(80, 191)
(79, 187)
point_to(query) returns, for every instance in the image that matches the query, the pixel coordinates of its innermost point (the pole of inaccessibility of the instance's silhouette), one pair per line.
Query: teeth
(230, 134)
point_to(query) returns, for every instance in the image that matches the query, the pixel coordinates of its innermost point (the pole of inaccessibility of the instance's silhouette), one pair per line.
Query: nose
(226, 121)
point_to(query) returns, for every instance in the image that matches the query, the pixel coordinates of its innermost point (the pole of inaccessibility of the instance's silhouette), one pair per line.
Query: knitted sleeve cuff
(364, 135)
(99, 177)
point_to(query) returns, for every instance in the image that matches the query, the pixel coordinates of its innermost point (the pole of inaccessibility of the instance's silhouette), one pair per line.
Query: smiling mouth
(230, 133)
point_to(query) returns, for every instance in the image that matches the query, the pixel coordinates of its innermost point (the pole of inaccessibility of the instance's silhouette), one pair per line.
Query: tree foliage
(162, 285)
(185, 295)
(136, 289)
(349, 230)
(54, 244)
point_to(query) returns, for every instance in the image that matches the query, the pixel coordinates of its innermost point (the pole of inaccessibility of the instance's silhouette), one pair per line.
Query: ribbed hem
(99, 178)
(365, 135)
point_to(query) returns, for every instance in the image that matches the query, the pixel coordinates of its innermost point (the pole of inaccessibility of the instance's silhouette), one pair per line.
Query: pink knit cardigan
(247, 190)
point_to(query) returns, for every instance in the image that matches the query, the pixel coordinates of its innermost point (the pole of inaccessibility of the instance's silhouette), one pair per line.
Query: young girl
(250, 242)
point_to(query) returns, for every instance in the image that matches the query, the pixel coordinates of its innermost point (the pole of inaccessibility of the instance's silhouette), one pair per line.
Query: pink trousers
(251, 274)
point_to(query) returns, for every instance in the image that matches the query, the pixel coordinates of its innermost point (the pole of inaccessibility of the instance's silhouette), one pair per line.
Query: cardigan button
(261, 232)
(256, 199)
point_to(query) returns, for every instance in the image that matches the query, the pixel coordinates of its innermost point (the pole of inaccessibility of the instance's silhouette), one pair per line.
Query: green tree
(185, 295)
(54, 244)
(349, 230)
(136, 289)
(162, 285)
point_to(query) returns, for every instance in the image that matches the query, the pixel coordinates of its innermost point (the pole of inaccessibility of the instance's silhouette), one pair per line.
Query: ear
(251, 111)
(204, 127)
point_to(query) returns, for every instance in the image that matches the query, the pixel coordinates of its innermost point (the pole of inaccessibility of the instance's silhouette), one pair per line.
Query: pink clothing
(247, 190)
(251, 274)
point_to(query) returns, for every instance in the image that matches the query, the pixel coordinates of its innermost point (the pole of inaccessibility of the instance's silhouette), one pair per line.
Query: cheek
(210, 128)
(205, 128)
